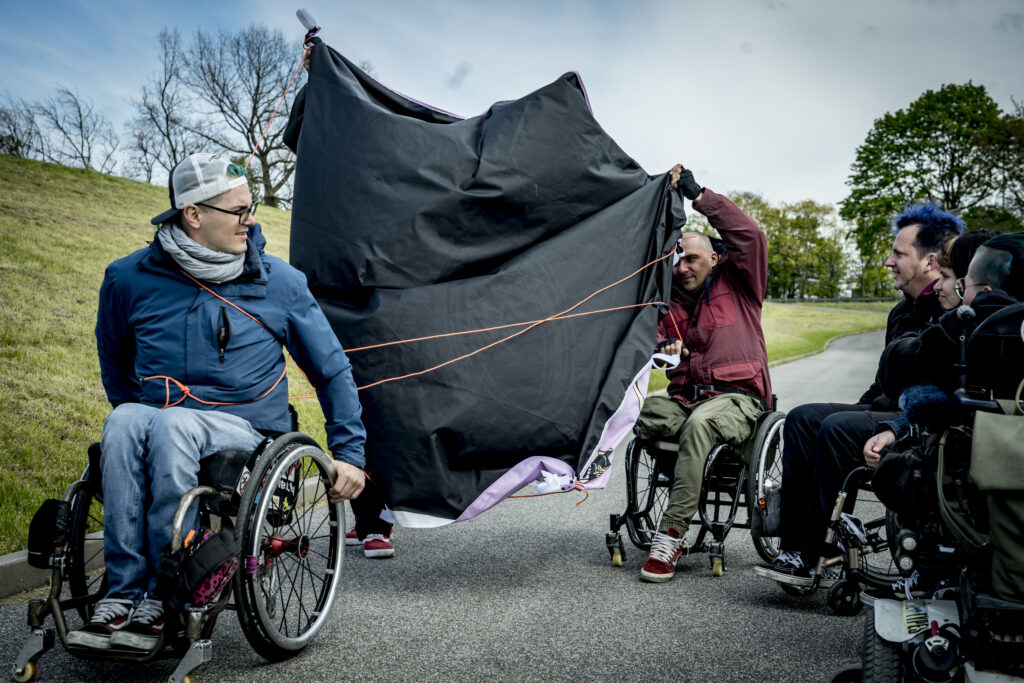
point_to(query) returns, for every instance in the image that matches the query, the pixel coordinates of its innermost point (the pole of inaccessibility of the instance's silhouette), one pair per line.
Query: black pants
(367, 508)
(823, 442)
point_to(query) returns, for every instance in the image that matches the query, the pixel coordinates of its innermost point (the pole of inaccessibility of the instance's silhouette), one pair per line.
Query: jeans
(150, 460)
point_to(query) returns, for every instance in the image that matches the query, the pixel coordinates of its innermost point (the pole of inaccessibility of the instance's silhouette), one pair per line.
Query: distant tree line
(217, 91)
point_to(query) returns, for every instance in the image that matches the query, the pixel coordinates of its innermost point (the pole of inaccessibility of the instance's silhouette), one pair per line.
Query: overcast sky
(770, 96)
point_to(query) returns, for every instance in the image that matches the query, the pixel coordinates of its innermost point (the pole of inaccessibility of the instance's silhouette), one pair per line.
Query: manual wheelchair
(290, 549)
(868, 550)
(748, 475)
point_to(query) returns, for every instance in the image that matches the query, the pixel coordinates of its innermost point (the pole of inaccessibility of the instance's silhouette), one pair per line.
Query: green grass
(792, 330)
(59, 228)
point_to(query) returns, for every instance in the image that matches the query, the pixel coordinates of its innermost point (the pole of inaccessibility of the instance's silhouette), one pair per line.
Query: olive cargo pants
(698, 428)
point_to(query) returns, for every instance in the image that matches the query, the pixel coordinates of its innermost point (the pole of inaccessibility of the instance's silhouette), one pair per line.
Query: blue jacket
(153, 320)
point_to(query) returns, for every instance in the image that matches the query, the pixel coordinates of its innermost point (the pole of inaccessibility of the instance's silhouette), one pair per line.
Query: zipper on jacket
(223, 332)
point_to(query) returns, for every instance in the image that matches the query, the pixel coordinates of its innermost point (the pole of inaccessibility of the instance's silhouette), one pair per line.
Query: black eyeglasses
(960, 286)
(243, 214)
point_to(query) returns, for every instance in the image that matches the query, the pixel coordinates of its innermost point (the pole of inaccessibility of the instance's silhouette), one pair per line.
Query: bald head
(695, 241)
(696, 261)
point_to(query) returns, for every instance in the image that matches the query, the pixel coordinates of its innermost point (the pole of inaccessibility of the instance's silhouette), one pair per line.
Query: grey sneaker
(109, 617)
(144, 629)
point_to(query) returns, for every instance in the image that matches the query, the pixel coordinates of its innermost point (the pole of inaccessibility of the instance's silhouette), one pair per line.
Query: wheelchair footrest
(199, 653)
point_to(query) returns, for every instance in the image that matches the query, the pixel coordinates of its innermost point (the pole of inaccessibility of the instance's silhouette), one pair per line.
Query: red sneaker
(352, 538)
(661, 561)
(378, 545)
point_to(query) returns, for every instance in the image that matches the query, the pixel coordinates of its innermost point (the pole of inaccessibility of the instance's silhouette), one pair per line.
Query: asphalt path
(526, 592)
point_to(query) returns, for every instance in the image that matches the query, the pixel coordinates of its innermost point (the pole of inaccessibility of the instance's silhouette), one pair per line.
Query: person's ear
(191, 214)
(714, 257)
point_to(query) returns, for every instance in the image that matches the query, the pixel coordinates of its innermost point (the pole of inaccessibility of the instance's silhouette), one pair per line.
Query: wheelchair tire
(83, 552)
(647, 493)
(291, 541)
(880, 658)
(763, 473)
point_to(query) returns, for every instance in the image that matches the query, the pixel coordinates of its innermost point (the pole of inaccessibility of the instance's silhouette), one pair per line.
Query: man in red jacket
(721, 385)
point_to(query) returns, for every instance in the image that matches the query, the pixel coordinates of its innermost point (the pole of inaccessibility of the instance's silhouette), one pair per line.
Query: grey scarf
(198, 261)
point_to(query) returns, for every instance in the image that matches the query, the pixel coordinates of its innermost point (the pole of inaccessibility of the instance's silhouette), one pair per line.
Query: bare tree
(78, 135)
(239, 79)
(162, 133)
(19, 132)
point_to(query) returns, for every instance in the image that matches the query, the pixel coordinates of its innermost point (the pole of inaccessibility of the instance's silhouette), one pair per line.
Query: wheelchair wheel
(879, 568)
(647, 490)
(764, 474)
(291, 543)
(85, 549)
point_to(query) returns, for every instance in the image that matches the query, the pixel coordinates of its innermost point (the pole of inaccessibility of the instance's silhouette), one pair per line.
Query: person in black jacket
(823, 441)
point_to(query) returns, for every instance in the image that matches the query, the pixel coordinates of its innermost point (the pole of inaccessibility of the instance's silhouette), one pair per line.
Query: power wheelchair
(290, 550)
(748, 475)
(965, 626)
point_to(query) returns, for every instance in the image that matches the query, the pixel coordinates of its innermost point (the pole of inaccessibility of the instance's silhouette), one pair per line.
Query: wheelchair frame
(857, 540)
(727, 484)
(286, 527)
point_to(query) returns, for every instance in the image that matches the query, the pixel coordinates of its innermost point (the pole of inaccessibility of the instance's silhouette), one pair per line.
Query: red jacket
(722, 327)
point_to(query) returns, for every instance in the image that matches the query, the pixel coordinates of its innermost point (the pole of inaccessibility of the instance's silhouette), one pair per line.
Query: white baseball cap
(199, 177)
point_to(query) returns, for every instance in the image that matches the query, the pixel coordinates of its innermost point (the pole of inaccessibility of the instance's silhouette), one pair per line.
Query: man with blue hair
(823, 441)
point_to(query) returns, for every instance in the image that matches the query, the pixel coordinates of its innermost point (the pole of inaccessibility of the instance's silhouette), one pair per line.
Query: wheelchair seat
(220, 471)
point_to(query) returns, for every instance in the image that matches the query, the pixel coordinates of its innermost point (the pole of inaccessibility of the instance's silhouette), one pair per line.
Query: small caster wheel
(616, 558)
(26, 674)
(717, 567)
(844, 599)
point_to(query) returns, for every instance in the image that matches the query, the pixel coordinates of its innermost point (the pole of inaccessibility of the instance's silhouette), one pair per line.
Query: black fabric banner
(410, 222)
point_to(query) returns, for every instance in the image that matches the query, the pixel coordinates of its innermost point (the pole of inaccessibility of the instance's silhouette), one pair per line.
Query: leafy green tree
(939, 147)
(1006, 146)
(807, 253)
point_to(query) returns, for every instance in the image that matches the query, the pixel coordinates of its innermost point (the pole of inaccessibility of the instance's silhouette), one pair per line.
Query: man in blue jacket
(190, 333)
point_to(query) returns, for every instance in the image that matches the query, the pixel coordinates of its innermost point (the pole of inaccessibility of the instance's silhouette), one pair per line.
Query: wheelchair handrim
(335, 519)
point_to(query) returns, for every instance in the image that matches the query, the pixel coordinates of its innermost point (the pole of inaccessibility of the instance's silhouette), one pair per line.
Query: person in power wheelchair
(823, 441)
(930, 368)
(721, 385)
(959, 488)
(190, 333)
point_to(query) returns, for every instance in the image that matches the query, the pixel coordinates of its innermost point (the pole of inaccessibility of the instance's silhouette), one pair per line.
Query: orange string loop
(575, 487)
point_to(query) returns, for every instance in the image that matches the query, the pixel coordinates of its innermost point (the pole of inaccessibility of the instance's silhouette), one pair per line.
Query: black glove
(662, 344)
(688, 185)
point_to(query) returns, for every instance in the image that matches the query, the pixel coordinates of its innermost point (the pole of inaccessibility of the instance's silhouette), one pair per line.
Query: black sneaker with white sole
(786, 568)
(109, 617)
(144, 629)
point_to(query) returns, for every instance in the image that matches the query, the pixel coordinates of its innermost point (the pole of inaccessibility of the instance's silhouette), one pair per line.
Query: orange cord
(186, 392)
(496, 327)
(279, 103)
(575, 487)
(520, 332)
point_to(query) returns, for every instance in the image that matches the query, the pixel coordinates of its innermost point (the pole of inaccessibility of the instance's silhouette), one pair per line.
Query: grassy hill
(59, 228)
